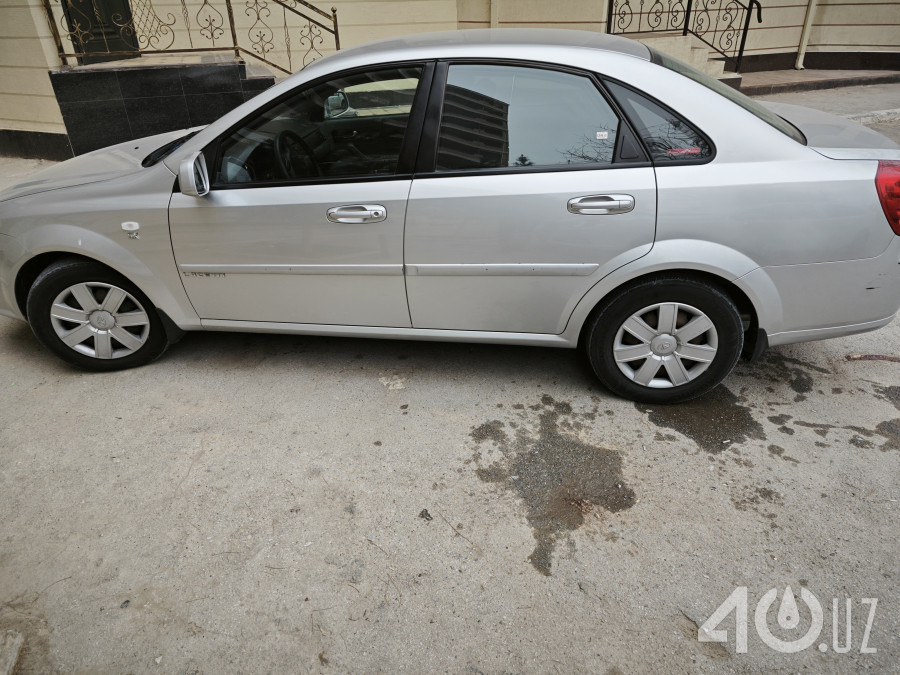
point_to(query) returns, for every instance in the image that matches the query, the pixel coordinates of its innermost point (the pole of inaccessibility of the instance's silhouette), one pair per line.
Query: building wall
(27, 52)
(838, 26)
(27, 49)
(572, 14)
(260, 25)
(856, 25)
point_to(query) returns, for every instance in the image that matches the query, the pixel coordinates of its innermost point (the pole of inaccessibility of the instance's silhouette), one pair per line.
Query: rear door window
(498, 116)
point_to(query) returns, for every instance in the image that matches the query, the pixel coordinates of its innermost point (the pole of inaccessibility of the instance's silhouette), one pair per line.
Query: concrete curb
(813, 85)
(876, 116)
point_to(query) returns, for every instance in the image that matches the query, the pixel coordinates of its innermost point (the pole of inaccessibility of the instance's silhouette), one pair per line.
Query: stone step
(706, 61)
(677, 46)
(685, 48)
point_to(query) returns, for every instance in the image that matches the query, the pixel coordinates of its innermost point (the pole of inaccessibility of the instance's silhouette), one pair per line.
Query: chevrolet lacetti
(531, 187)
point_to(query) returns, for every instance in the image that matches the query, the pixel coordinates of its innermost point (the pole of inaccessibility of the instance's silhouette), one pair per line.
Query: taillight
(887, 182)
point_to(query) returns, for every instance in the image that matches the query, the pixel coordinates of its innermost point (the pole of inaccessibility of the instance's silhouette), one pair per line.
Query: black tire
(148, 339)
(606, 331)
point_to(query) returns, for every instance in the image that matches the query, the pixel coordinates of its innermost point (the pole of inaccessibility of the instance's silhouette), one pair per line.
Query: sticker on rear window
(678, 152)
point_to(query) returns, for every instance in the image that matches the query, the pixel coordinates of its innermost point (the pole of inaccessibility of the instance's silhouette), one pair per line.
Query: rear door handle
(601, 205)
(357, 213)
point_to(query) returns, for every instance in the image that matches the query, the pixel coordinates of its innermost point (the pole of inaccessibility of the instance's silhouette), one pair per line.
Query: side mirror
(336, 105)
(193, 178)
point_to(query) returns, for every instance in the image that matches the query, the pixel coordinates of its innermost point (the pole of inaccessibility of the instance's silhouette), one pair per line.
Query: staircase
(690, 50)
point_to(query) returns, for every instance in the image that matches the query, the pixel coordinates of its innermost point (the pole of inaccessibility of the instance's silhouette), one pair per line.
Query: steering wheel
(292, 153)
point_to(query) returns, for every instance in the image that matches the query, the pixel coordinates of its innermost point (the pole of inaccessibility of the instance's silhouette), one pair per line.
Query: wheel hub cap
(99, 320)
(102, 320)
(663, 345)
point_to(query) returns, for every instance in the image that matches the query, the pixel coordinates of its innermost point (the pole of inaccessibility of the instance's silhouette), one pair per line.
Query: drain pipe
(804, 36)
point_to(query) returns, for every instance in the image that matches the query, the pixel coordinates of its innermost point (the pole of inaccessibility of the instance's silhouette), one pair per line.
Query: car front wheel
(93, 318)
(665, 340)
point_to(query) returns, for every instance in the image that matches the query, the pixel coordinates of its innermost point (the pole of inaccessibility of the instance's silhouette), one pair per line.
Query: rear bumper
(827, 300)
(789, 337)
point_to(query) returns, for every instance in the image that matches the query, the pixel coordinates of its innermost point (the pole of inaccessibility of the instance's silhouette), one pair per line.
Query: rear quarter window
(668, 137)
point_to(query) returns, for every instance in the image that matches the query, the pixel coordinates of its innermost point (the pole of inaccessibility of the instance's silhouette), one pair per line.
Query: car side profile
(531, 187)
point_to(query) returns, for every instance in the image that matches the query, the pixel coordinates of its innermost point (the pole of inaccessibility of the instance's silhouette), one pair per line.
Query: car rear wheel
(93, 318)
(665, 340)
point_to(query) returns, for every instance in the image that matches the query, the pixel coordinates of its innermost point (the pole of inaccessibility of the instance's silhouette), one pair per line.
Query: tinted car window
(666, 135)
(508, 116)
(352, 126)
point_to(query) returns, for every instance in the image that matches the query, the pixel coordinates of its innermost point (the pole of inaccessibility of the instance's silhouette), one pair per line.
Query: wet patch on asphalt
(889, 430)
(782, 420)
(777, 368)
(716, 421)
(891, 394)
(759, 499)
(778, 451)
(560, 478)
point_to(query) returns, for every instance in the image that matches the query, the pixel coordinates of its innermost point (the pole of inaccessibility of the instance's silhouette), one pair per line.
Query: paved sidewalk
(876, 106)
(782, 81)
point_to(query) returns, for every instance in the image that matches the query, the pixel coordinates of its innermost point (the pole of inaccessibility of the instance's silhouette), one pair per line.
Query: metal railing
(285, 34)
(721, 24)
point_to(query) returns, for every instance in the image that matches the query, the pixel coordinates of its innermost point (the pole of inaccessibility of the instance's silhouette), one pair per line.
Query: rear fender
(676, 255)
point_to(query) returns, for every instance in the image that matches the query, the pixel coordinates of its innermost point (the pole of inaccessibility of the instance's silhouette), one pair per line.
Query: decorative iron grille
(284, 34)
(721, 24)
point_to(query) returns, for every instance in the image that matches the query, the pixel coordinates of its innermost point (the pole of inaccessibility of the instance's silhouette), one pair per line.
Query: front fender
(63, 238)
(694, 255)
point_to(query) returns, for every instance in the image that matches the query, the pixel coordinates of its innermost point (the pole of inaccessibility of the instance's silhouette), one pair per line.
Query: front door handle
(357, 213)
(601, 205)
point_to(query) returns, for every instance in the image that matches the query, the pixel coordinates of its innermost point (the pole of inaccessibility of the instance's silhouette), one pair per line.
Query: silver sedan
(556, 188)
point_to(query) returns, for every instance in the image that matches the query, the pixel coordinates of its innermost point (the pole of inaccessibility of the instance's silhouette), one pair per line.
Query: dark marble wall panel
(156, 114)
(105, 106)
(206, 108)
(96, 124)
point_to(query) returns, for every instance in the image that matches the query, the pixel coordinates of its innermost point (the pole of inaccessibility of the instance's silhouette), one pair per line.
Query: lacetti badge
(788, 619)
(205, 275)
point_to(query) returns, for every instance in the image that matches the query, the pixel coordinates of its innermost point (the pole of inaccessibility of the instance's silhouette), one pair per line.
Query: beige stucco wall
(261, 27)
(572, 14)
(27, 52)
(838, 25)
(849, 25)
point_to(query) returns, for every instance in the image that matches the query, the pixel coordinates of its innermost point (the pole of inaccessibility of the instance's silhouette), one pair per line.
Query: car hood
(836, 137)
(92, 167)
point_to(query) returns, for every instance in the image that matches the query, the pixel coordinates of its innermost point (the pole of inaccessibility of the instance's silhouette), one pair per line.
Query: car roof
(432, 44)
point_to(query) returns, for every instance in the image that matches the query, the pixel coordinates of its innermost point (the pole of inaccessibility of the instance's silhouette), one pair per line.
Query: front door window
(350, 127)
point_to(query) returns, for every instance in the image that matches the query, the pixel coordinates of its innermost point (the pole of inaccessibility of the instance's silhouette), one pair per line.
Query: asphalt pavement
(259, 503)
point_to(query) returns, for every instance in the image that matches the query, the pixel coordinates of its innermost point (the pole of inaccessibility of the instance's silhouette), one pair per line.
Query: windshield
(730, 93)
